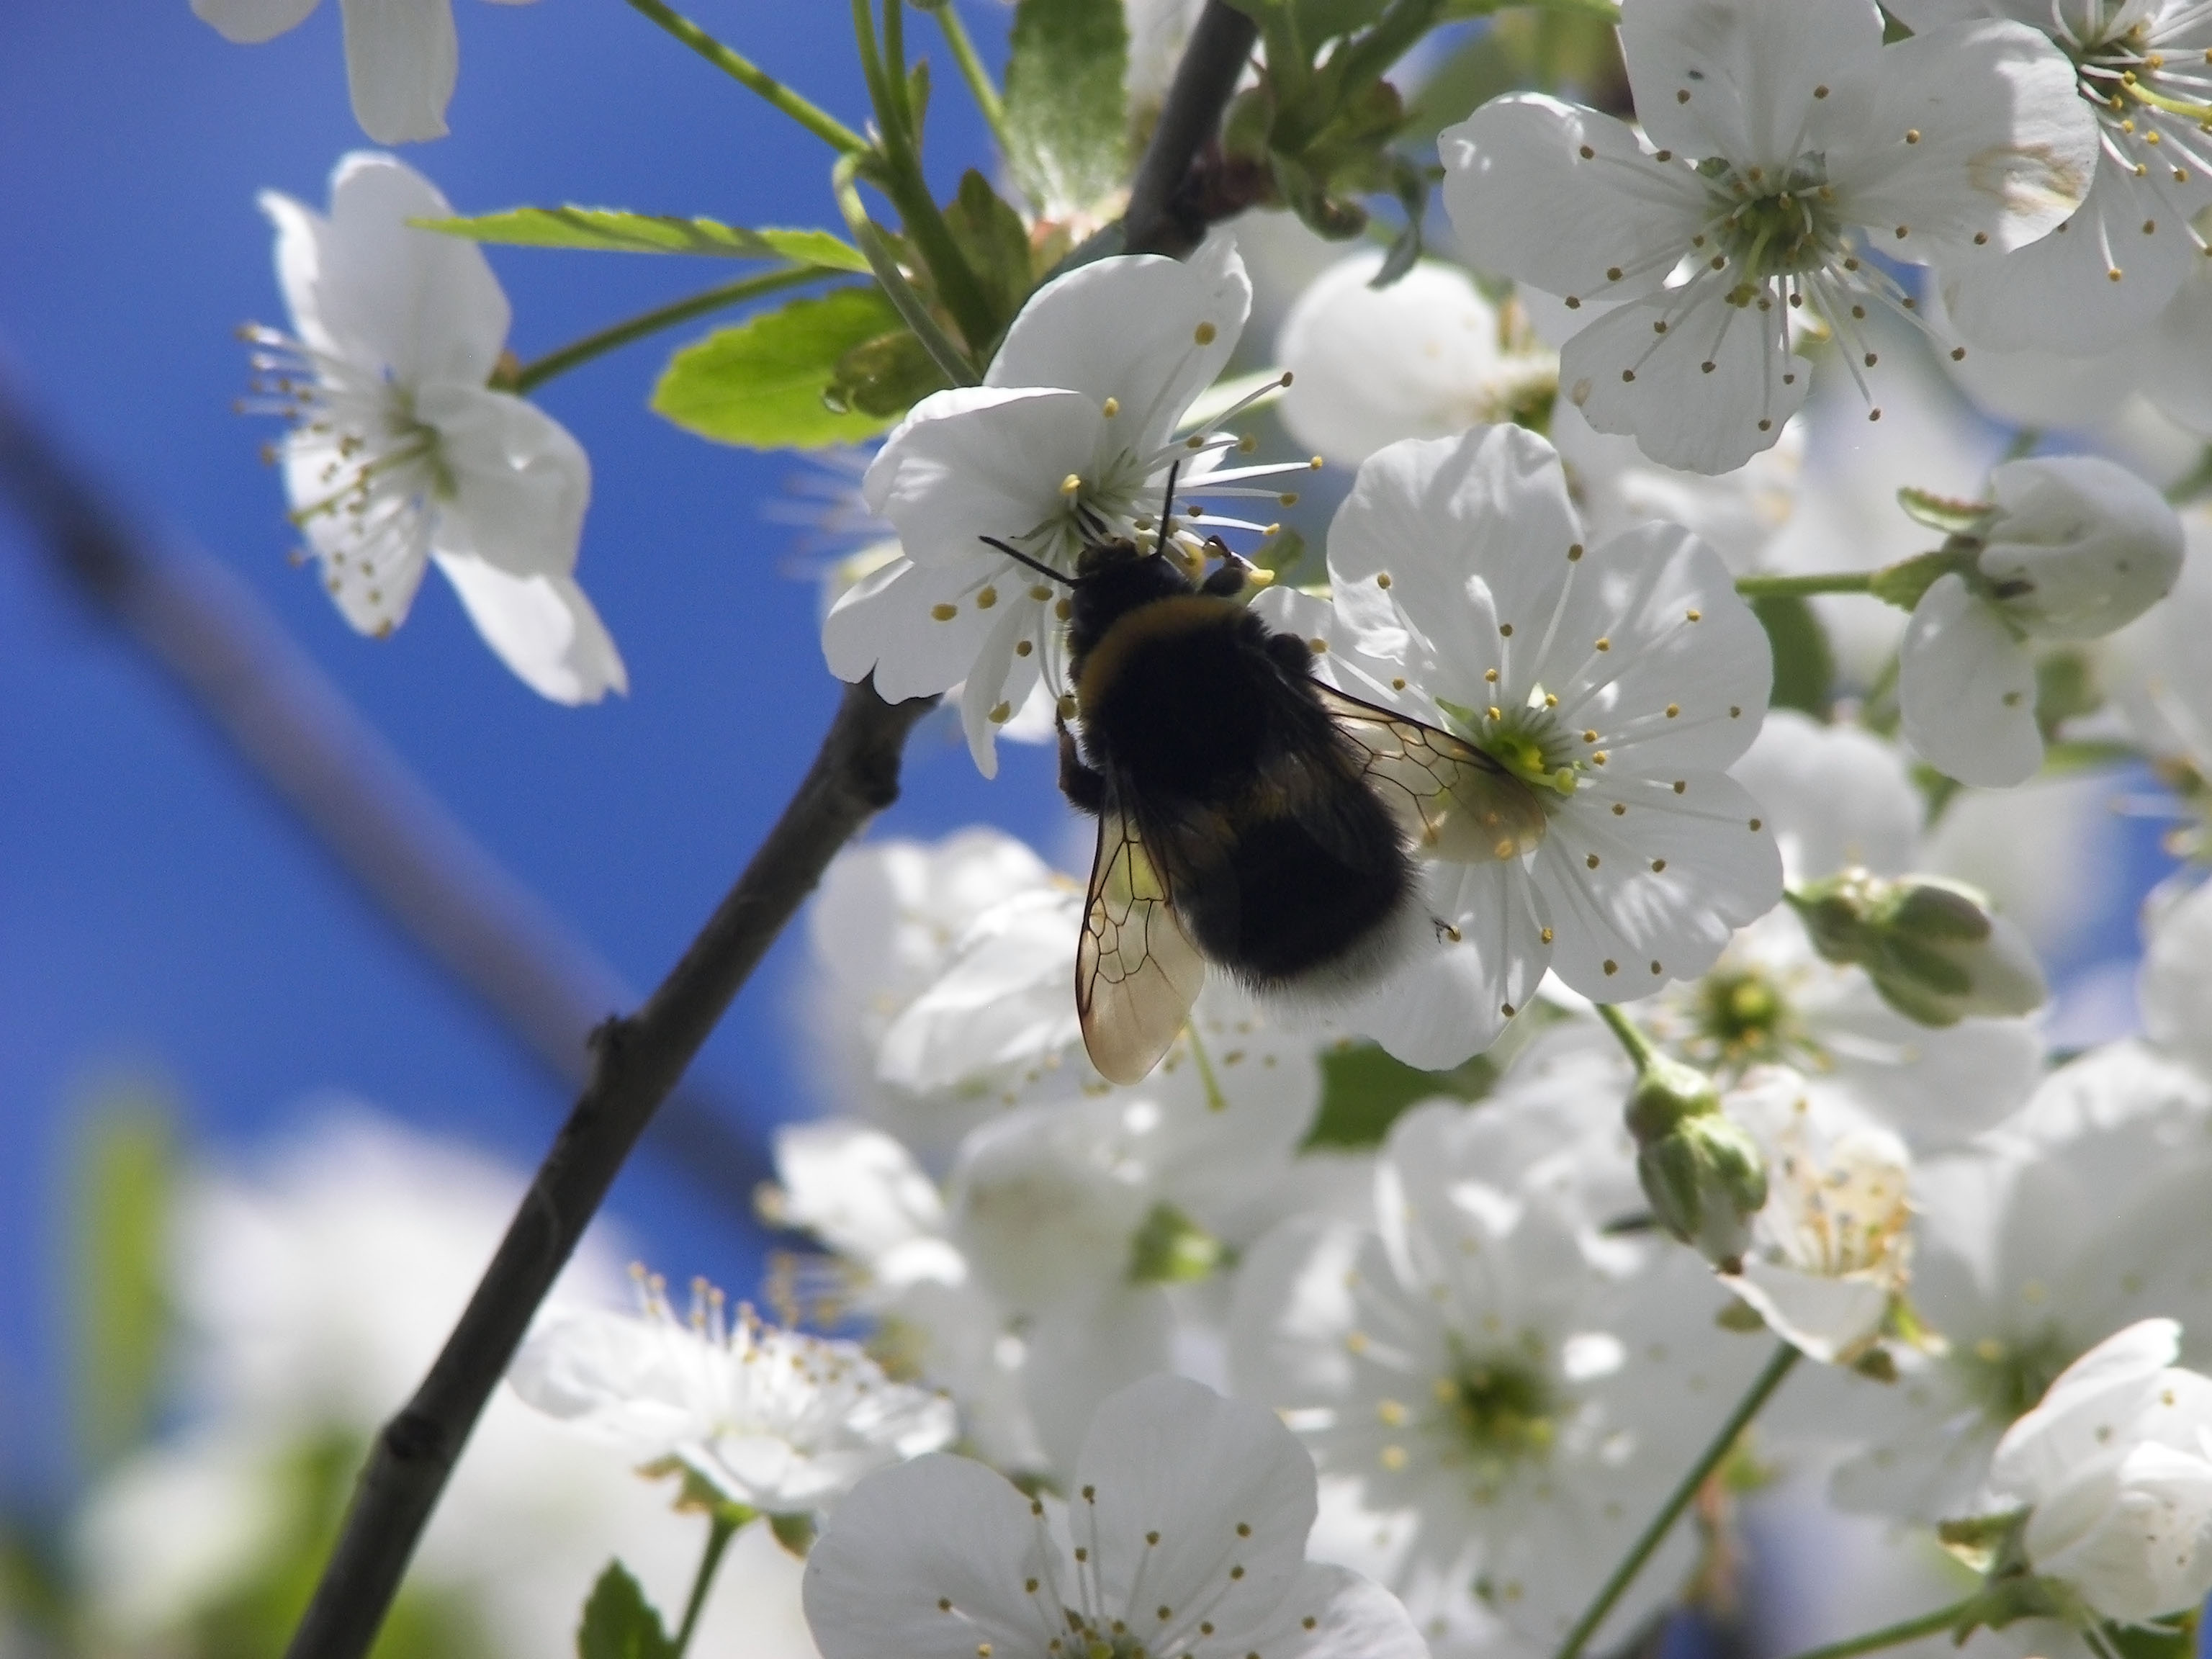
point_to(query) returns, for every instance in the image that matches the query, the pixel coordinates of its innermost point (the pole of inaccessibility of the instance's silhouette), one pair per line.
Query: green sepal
(1067, 138)
(125, 1174)
(1941, 512)
(619, 1623)
(1804, 663)
(1740, 1316)
(1169, 1248)
(794, 1532)
(762, 384)
(995, 243)
(700, 1496)
(1902, 584)
(608, 230)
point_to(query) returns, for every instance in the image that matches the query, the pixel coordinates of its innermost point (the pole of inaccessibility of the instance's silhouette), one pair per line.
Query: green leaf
(994, 241)
(1315, 20)
(619, 1623)
(1902, 584)
(608, 230)
(1804, 665)
(125, 1175)
(761, 384)
(1067, 137)
(1364, 1090)
(885, 376)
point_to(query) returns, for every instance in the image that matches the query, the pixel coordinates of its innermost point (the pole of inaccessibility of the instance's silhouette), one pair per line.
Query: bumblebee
(1249, 815)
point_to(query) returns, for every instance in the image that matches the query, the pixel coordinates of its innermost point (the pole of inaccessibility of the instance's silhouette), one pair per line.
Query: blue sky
(159, 915)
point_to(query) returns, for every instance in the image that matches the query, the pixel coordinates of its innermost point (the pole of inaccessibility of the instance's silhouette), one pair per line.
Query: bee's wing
(1454, 801)
(1136, 971)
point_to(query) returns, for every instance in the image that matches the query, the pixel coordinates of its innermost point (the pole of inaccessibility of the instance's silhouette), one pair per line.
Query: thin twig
(1890, 1636)
(1220, 45)
(638, 1060)
(298, 737)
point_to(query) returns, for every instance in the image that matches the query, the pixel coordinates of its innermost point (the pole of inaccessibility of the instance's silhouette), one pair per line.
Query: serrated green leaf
(760, 385)
(995, 242)
(125, 1174)
(1067, 132)
(609, 230)
(619, 1623)
(1804, 664)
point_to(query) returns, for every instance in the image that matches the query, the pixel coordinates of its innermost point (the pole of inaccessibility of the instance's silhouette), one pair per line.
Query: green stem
(721, 1528)
(1890, 1636)
(820, 123)
(2193, 483)
(900, 179)
(1639, 1047)
(894, 67)
(948, 357)
(1762, 1388)
(1833, 581)
(979, 85)
(539, 370)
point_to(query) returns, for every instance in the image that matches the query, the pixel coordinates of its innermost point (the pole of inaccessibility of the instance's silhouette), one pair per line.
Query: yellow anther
(1205, 333)
(1071, 484)
(1112, 407)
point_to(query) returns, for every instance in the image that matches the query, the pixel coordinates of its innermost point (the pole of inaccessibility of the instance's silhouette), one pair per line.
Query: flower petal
(1652, 893)
(1836, 796)
(2059, 294)
(1334, 1611)
(1701, 383)
(1736, 78)
(1966, 689)
(540, 626)
(401, 58)
(1451, 997)
(980, 461)
(894, 624)
(1529, 203)
(1229, 1489)
(914, 1536)
(520, 481)
(249, 22)
(366, 286)
(1151, 332)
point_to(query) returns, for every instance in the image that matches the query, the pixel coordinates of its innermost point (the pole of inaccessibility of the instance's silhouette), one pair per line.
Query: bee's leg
(1292, 654)
(1227, 581)
(1086, 789)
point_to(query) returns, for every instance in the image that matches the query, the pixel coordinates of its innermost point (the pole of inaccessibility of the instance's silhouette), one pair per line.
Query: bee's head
(1099, 557)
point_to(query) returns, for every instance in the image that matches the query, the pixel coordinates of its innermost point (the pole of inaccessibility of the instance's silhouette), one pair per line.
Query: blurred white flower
(1068, 440)
(2156, 668)
(1837, 796)
(400, 453)
(1739, 512)
(1511, 1391)
(2174, 985)
(1769, 180)
(778, 1421)
(2114, 1467)
(1615, 685)
(1831, 1250)
(2075, 547)
(1185, 1533)
(1426, 357)
(312, 1292)
(401, 59)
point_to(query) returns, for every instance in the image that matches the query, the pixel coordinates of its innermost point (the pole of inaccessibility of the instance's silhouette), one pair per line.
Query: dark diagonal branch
(638, 1060)
(1161, 216)
(298, 736)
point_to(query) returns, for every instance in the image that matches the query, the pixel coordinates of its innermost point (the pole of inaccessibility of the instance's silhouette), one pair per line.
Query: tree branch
(1160, 217)
(639, 1060)
(298, 737)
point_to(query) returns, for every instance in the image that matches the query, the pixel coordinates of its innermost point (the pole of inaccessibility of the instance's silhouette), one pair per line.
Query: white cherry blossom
(2114, 1467)
(2074, 547)
(1831, 1250)
(1615, 683)
(402, 56)
(777, 1421)
(1184, 1534)
(1516, 1392)
(1068, 440)
(1837, 795)
(2111, 267)
(1426, 357)
(1786, 144)
(400, 455)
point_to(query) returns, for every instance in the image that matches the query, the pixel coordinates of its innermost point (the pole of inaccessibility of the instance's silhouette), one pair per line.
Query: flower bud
(1932, 947)
(2076, 546)
(1702, 1173)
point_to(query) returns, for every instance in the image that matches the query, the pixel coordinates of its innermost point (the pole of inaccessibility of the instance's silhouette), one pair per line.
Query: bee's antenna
(1167, 506)
(1020, 557)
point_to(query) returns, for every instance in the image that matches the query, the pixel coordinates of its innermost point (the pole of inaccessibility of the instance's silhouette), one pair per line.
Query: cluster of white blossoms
(1707, 1122)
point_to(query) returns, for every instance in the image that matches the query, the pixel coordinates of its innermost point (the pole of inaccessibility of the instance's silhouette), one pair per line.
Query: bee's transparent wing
(1455, 802)
(1136, 971)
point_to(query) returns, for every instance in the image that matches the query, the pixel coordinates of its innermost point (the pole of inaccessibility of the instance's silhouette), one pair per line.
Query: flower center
(2007, 1378)
(1745, 1015)
(1503, 1409)
(1771, 227)
(1529, 741)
